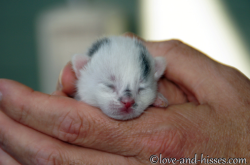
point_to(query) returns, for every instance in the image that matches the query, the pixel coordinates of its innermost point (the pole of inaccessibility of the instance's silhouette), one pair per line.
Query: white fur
(116, 64)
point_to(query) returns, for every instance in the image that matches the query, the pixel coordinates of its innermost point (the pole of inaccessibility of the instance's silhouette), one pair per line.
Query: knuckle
(230, 75)
(47, 156)
(236, 83)
(232, 71)
(73, 127)
(168, 143)
(174, 42)
(69, 128)
(173, 143)
(173, 45)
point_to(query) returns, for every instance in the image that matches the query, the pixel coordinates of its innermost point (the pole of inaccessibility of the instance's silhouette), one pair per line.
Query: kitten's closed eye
(111, 86)
(141, 89)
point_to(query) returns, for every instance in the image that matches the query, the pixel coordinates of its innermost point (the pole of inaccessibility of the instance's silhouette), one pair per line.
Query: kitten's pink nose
(128, 102)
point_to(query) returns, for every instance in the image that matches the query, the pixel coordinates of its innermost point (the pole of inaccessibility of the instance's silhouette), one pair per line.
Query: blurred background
(37, 38)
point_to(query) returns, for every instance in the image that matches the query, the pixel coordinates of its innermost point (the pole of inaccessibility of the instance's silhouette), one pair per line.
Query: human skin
(209, 113)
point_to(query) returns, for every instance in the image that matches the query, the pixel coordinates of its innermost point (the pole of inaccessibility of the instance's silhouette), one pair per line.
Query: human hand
(208, 113)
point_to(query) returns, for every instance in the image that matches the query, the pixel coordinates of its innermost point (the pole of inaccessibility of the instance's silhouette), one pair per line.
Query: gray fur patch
(96, 46)
(144, 61)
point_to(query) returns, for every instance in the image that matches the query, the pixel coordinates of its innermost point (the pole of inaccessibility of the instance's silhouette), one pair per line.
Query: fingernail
(60, 86)
(53, 93)
(163, 99)
(160, 101)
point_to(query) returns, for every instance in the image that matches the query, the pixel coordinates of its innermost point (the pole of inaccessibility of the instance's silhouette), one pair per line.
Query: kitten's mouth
(120, 112)
(123, 110)
(126, 110)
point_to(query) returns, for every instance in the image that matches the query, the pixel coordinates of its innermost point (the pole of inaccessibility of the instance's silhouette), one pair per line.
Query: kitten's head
(120, 78)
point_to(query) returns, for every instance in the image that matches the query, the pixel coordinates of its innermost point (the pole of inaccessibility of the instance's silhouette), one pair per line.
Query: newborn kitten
(119, 76)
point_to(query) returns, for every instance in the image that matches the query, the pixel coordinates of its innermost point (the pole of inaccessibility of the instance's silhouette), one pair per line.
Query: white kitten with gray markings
(119, 76)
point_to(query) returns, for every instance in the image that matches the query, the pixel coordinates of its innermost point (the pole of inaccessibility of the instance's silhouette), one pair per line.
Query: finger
(31, 147)
(189, 68)
(77, 123)
(59, 93)
(7, 159)
(67, 80)
(160, 101)
(171, 92)
(60, 117)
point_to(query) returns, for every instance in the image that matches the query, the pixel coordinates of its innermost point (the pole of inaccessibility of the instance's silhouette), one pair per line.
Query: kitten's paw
(160, 101)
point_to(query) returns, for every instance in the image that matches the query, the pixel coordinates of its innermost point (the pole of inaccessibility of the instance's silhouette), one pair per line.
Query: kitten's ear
(78, 62)
(160, 66)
